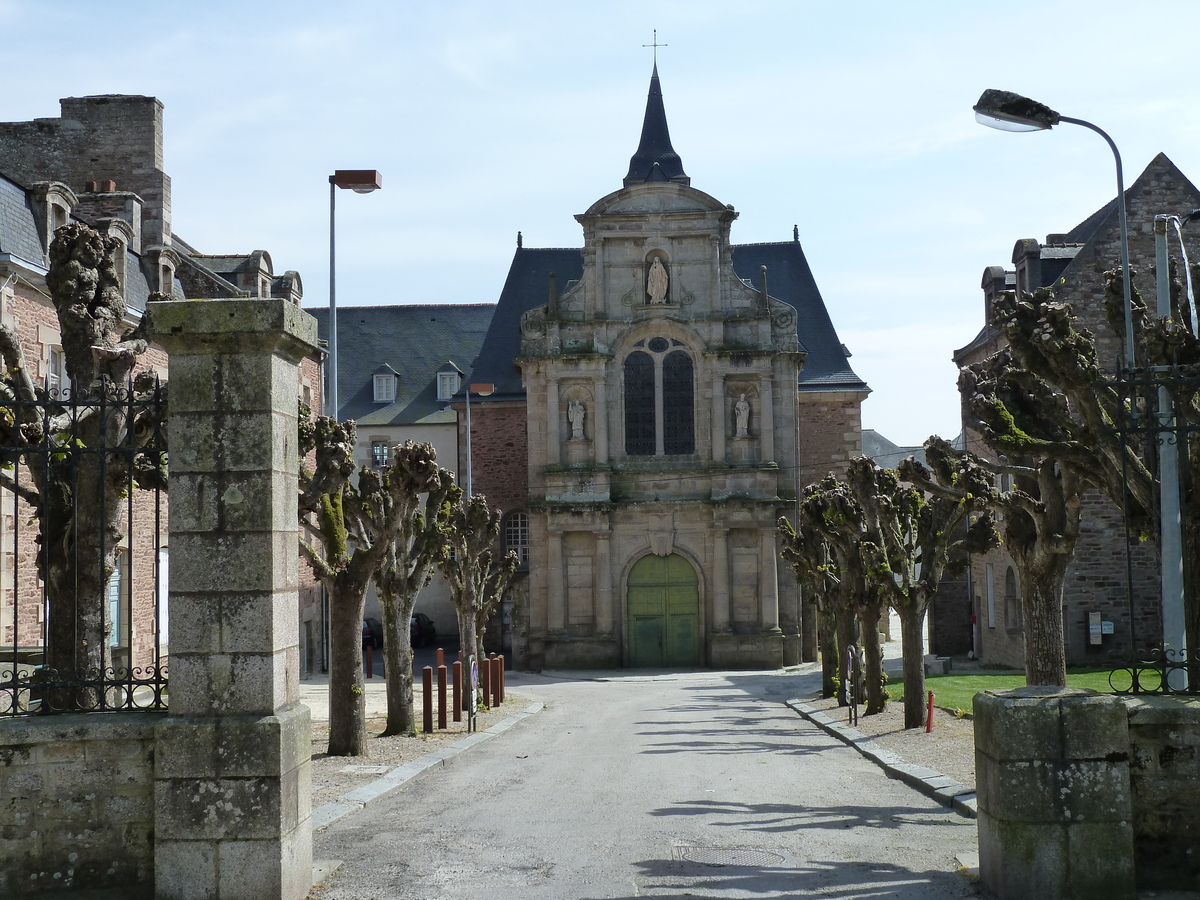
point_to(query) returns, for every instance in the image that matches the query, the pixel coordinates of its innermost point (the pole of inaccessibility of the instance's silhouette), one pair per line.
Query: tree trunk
(809, 630)
(467, 642)
(1045, 652)
(347, 688)
(868, 617)
(829, 654)
(847, 628)
(912, 620)
(398, 663)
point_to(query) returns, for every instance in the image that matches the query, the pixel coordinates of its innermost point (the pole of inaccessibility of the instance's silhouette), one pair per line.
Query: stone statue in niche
(741, 417)
(657, 283)
(576, 412)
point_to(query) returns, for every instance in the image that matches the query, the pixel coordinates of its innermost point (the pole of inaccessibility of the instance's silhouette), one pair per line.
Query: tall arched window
(639, 404)
(678, 435)
(659, 400)
(1012, 602)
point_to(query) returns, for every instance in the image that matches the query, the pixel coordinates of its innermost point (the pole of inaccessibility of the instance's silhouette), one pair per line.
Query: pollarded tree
(78, 495)
(478, 576)
(830, 514)
(347, 529)
(812, 561)
(923, 531)
(407, 567)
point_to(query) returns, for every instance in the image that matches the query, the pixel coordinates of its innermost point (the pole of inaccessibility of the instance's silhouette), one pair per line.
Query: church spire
(656, 159)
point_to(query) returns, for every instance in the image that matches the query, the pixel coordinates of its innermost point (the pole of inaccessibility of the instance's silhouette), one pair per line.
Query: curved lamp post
(1007, 111)
(361, 181)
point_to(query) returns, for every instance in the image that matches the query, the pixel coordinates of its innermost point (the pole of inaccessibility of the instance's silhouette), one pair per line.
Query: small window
(58, 385)
(447, 385)
(385, 388)
(516, 537)
(381, 453)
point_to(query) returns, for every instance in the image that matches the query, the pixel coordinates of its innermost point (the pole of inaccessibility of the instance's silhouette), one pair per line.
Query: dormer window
(448, 383)
(385, 388)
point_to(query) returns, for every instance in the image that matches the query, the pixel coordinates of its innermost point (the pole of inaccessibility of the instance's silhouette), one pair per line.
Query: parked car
(421, 631)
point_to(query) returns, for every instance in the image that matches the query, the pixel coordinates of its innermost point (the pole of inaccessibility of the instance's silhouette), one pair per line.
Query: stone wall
(1085, 795)
(1164, 737)
(830, 432)
(78, 803)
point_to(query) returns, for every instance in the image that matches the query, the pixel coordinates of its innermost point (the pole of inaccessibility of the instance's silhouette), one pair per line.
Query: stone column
(1055, 816)
(605, 621)
(720, 581)
(600, 423)
(232, 773)
(766, 421)
(553, 424)
(768, 581)
(556, 602)
(720, 416)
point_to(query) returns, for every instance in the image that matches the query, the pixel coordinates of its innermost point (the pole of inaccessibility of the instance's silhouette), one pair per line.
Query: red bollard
(496, 663)
(441, 659)
(929, 715)
(485, 680)
(427, 698)
(501, 658)
(456, 695)
(442, 698)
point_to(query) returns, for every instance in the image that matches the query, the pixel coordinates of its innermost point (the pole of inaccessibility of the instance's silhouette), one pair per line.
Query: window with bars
(659, 400)
(516, 537)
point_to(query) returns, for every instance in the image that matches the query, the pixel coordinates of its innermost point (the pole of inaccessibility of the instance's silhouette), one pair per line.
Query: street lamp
(483, 390)
(1006, 111)
(361, 181)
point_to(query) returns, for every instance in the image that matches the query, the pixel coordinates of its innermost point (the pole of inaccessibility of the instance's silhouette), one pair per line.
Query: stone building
(1073, 264)
(403, 365)
(659, 397)
(101, 163)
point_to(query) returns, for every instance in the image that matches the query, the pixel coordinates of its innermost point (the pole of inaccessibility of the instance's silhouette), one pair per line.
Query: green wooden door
(664, 613)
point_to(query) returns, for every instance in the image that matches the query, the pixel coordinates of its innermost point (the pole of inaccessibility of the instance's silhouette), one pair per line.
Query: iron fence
(83, 596)
(1155, 401)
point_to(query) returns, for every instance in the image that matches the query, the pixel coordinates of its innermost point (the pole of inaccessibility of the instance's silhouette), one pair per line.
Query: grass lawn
(956, 692)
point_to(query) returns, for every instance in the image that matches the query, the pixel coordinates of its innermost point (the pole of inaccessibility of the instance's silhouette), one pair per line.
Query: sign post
(473, 695)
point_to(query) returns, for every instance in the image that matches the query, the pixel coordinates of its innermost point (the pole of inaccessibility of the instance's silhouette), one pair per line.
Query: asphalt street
(652, 785)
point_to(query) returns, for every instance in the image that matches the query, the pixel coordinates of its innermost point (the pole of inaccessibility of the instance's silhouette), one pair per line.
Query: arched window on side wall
(1012, 602)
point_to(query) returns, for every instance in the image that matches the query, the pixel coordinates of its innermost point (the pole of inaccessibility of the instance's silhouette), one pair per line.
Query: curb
(353, 801)
(943, 789)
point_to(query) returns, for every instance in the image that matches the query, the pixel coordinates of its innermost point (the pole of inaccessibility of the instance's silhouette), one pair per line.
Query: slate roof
(788, 278)
(19, 238)
(415, 341)
(18, 228)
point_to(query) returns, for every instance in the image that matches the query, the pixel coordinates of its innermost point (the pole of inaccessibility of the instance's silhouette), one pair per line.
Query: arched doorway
(664, 613)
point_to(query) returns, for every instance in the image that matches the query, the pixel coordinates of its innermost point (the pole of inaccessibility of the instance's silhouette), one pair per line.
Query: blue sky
(850, 120)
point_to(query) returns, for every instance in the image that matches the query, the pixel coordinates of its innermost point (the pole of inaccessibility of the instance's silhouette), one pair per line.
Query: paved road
(629, 786)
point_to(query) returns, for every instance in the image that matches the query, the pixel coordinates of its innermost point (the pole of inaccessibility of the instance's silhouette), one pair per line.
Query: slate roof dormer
(655, 159)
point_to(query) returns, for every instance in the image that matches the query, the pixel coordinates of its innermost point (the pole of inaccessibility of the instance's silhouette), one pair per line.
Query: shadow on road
(826, 878)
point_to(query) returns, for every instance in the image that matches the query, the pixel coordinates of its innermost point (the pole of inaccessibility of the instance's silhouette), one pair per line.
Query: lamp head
(361, 181)
(1007, 111)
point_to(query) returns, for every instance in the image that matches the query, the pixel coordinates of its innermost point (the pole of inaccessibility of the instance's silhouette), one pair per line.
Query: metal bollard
(427, 699)
(501, 658)
(929, 715)
(485, 680)
(441, 698)
(496, 667)
(456, 695)
(441, 659)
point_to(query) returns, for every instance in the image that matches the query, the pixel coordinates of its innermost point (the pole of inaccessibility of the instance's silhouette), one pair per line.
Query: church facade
(667, 425)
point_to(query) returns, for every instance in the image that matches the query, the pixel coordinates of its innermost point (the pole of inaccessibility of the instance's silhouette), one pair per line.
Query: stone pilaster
(232, 771)
(1055, 819)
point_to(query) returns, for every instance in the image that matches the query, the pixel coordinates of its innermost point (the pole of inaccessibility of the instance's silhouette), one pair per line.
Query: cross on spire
(655, 45)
